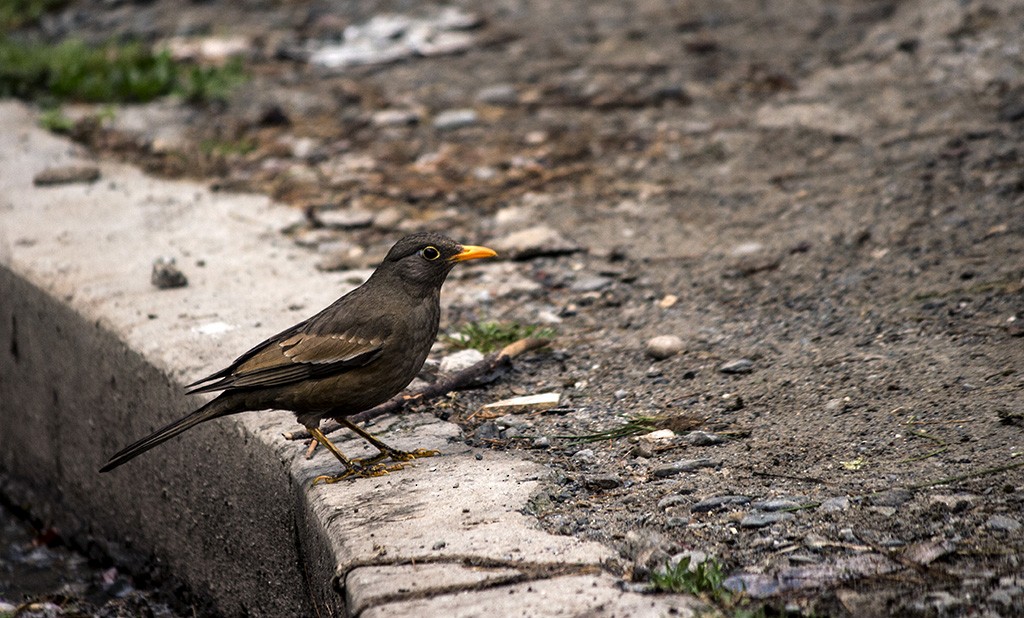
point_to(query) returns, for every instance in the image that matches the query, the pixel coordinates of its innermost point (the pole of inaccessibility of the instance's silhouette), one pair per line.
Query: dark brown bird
(355, 354)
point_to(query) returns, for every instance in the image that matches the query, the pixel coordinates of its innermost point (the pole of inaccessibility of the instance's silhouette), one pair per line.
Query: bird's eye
(431, 253)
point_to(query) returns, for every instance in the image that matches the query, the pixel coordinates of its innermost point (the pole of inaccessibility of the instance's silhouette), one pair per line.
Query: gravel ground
(819, 204)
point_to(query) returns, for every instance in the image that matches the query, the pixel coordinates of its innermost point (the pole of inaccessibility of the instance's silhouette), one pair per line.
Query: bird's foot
(419, 453)
(359, 471)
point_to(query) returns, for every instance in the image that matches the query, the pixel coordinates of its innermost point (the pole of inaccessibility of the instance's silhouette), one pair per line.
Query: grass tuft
(491, 336)
(114, 73)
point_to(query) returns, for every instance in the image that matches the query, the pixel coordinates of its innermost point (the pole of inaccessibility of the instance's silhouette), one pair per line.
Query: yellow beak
(471, 252)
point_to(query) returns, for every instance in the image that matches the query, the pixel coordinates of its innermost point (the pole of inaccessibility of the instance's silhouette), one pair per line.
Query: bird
(355, 354)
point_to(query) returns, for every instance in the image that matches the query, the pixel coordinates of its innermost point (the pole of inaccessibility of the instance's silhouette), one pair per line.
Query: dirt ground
(823, 200)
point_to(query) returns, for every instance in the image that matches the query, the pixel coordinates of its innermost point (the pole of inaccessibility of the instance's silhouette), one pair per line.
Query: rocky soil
(818, 207)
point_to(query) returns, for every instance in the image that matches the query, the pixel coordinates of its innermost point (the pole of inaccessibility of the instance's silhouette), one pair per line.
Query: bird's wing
(296, 355)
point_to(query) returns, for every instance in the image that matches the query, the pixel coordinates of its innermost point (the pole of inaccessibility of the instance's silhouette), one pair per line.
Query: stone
(685, 465)
(66, 174)
(166, 275)
(703, 438)
(344, 218)
(736, 366)
(394, 118)
(834, 505)
(498, 94)
(452, 119)
(594, 283)
(663, 346)
(463, 359)
(585, 456)
(719, 503)
(602, 481)
(537, 241)
(1003, 523)
(778, 504)
(761, 520)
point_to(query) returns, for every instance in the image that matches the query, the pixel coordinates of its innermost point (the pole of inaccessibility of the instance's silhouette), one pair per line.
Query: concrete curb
(94, 356)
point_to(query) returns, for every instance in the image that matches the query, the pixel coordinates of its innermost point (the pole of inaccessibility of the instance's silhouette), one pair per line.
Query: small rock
(663, 346)
(344, 218)
(452, 119)
(526, 403)
(439, 545)
(778, 504)
(718, 503)
(541, 442)
(498, 94)
(585, 457)
(703, 438)
(894, 497)
(166, 275)
(668, 300)
(695, 558)
(66, 175)
(739, 365)
(602, 481)
(685, 465)
(388, 218)
(658, 436)
(928, 551)
(672, 500)
(1003, 523)
(394, 118)
(956, 503)
(834, 505)
(760, 520)
(463, 359)
(590, 284)
(534, 242)
(487, 431)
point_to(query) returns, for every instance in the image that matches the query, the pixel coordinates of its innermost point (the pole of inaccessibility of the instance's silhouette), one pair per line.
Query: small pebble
(463, 359)
(686, 465)
(834, 505)
(584, 456)
(541, 442)
(664, 346)
(760, 520)
(165, 274)
(66, 175)
(718, 503)
(452, 119)
(1003, 523)
(703, 438)
(739, 365)
(602, 481)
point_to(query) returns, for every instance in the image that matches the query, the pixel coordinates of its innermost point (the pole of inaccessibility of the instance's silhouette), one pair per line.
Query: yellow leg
(353, 469)
(385, 450)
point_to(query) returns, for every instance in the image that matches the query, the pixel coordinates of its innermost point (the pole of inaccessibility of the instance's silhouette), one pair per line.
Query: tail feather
(214, 409)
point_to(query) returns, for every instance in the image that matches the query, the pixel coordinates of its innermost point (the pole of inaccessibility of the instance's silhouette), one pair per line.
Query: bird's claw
(410, 455)
(359, 471)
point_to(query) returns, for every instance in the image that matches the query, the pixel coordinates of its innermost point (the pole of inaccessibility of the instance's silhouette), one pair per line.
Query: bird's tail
(214, 409)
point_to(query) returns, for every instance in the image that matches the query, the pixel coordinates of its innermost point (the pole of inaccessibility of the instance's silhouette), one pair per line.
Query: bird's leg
(385, 450)
(353, 469)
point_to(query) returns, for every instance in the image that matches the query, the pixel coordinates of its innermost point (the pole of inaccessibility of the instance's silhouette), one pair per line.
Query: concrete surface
(93, 356)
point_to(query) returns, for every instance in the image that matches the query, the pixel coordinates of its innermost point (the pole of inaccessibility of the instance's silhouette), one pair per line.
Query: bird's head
(424, 260)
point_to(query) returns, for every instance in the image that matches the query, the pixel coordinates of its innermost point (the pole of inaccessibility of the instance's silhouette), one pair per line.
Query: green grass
(491, 336)
(707, 581)
(114, 73)
(704, 580)
(54, 120)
